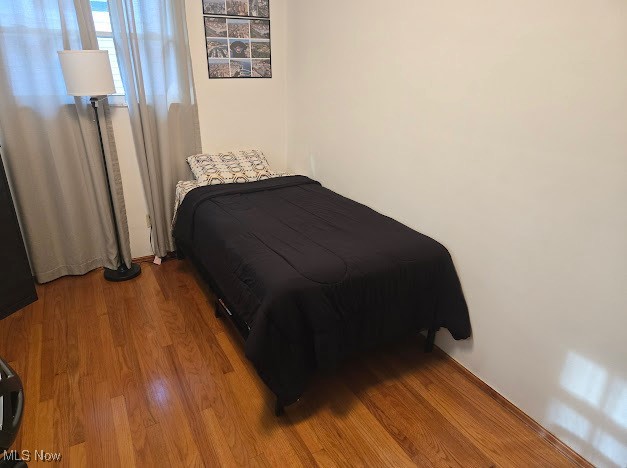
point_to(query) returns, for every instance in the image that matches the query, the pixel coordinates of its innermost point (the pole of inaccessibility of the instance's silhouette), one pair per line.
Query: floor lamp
(88, 73)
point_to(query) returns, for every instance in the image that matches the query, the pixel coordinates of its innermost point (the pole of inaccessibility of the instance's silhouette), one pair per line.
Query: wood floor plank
(63, 306)
(133, 385)
(123, 432)
(297, 443)
(223, 451)
(189, 357)
(323, 460)
(115, 308)
(92, 362)
(157, 453)
(75, 404)
(114, 372)
(235, 428)
(151, 296)
(143, 374)
(260, 461)
(300, 424)
(55, 293)
(32, 381)
(98, 421)
(44, 427)
(192, 410)
(139, 420)
(158, 381)
(101, 290)
(62, 414)
(78, 456)
(46, 379)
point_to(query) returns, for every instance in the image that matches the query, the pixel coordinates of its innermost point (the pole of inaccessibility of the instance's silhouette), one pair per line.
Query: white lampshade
(87, 72)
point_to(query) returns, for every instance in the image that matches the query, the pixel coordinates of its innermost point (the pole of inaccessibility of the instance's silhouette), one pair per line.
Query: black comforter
(316, 276)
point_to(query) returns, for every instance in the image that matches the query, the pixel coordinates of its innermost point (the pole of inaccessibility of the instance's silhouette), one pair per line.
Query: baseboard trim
(150, 258)
(146, 259)
(520, 414)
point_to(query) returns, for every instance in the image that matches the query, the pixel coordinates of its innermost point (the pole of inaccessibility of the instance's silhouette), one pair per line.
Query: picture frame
(238, 47)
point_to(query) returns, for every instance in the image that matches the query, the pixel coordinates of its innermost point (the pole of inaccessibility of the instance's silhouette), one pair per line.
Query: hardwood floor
(142, 374)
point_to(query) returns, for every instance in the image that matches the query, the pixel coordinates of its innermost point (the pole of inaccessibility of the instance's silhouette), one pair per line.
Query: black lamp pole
(123, 273)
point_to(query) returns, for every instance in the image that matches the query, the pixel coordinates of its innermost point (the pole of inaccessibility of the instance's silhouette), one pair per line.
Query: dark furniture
(17, 288)
(12, 393)
(310, 277)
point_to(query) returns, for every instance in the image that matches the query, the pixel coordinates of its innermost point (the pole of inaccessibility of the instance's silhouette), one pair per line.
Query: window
(102, 22)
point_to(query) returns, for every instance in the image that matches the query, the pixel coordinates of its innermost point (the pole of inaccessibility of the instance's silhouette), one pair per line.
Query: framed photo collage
(237, 36)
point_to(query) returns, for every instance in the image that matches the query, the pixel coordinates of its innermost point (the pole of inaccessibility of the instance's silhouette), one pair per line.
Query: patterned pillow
(226, 168)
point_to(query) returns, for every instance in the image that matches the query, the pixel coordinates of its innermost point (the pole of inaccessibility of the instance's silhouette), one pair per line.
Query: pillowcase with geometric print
(229, 168)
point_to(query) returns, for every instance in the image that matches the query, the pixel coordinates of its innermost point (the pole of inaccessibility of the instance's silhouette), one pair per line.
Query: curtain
(50, 142)
(153, 51)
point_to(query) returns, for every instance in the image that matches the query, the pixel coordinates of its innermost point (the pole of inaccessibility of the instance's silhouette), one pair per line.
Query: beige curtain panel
(152, 46)
(50, 142)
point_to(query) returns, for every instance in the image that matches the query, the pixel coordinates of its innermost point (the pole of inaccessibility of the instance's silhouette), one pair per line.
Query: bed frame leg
(430, 339)
(279, 409)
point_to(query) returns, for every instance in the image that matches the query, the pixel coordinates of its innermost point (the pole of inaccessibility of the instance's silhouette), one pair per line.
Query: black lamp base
(122, 273)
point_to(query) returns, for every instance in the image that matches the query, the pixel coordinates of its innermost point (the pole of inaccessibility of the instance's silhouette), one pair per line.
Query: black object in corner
(12, 393)
(17, 288)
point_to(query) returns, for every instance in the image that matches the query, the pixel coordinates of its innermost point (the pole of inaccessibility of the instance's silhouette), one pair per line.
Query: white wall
(500, 129)
(134, 198)
(241, 113)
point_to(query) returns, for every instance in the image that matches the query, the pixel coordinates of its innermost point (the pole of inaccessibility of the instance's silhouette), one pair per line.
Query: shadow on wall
(589, 392)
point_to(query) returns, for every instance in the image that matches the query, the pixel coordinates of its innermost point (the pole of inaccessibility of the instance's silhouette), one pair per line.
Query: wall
(500, 129)
(241, 113)
(134, 198)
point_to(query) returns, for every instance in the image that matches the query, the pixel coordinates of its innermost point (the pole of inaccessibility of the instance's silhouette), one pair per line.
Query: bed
(310, 277)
